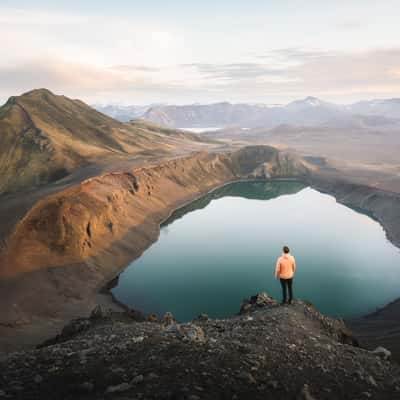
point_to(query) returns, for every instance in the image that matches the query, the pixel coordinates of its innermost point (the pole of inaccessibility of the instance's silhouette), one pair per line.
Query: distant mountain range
(360, 138)
(45, 137)
(309, 111)
(122, 113)
(387, 108)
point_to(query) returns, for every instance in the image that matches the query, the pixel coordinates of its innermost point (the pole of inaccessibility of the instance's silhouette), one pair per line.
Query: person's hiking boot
(290, 301)
(283, 303)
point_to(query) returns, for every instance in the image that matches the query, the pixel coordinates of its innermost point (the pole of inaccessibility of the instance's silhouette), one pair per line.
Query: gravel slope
(267, 351)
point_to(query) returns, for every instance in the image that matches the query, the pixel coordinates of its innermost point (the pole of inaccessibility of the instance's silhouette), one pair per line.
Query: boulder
(193, 333)
(382, 352)
(254, 302)
(168, 319)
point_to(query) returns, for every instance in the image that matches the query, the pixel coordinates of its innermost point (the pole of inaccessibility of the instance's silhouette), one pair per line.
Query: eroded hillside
(73, 242)
(79, 222)
(44, 137)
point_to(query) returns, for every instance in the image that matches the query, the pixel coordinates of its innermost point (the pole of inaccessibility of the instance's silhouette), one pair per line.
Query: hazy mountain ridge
(120, 112)
(307, 111)
(386, 107)
(347, 137)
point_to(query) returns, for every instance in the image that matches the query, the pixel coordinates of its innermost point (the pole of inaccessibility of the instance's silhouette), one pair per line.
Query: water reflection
(223, 247)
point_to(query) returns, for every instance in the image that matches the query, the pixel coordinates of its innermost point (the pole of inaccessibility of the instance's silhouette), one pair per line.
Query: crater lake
(222, 248)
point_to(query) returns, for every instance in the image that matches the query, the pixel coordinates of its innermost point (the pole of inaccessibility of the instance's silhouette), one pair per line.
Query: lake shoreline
(261, 190)
(106, 288)
(110, 219)
(350, 197)
(108, 263)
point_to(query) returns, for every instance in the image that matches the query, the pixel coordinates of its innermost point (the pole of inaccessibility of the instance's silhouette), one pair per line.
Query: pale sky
(258, 51)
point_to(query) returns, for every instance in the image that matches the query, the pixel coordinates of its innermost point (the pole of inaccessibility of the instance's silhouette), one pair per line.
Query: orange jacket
(285, 267)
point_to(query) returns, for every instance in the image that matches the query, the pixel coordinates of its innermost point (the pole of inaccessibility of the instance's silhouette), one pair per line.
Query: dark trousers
(286, 283)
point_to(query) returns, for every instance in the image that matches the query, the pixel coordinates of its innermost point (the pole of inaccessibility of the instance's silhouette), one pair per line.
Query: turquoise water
(223, 247)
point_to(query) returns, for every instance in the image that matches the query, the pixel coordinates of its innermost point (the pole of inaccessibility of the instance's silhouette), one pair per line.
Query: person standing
(285, 270)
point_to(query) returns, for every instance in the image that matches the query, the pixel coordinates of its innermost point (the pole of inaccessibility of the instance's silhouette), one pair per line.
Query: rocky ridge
(266, 351)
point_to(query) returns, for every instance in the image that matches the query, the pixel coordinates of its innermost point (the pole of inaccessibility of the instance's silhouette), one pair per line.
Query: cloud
(304, 72)
(135, 84)
(136, 60)
(274, 66)
(355, 69)
(49, 73)
(352, 24)
(75, 80)
(13, 16)
(235, 71)
(341, 76)
(294, 54)
(93, 39)
(292, 72)
(134, 68)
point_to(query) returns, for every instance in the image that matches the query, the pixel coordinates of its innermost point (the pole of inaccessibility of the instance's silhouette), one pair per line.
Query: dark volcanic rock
(259, 300)
(268, 351)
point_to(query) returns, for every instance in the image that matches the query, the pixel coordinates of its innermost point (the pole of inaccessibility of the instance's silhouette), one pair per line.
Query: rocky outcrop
(267, 351)
(380, 328)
